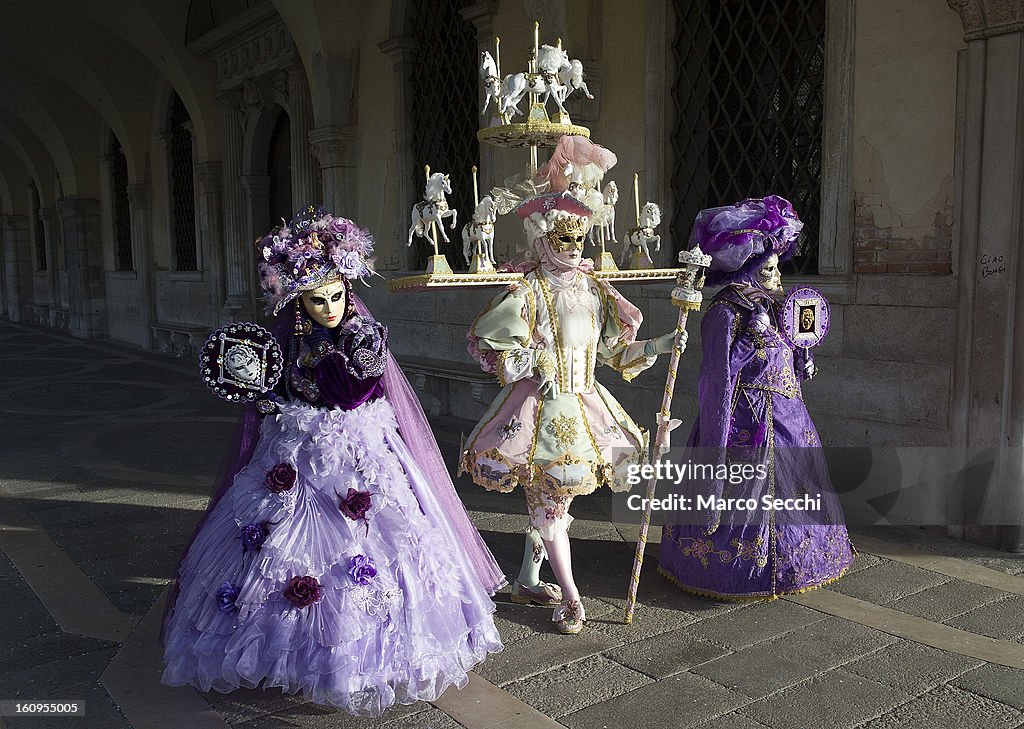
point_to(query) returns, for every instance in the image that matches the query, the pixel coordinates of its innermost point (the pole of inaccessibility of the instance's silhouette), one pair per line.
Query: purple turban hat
(740, 238)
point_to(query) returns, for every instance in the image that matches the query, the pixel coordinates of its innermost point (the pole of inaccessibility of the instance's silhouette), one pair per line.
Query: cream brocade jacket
(582, 438)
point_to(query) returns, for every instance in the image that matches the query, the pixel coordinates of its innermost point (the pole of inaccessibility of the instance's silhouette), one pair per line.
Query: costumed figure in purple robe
(554, 429)
(751, 411)
(336, 560)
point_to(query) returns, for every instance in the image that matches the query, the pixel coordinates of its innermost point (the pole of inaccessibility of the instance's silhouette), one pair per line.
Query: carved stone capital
(986, 18)
(401, 49)
(209, 174)
(481, 15)
(333, 146)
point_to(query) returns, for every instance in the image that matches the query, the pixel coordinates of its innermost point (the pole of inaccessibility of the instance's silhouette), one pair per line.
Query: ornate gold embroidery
(545, 367)
(564, 428)
(751, 550)
(549, 304)
(810, 437)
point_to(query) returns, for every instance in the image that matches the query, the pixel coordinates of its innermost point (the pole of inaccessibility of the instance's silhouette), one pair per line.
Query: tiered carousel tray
(534, 133)
(441, 281)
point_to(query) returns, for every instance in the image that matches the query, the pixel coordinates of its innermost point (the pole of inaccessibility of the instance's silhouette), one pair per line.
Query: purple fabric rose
(226, 596)
(303, 591)
(281, 477)
(362, 570)
(355, 504)
(253, 536)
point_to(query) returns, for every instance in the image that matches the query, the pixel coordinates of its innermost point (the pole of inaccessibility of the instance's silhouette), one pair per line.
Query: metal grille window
(183, 208)
(749, 100)
(37, 231)
(445, 117)
(123, 259)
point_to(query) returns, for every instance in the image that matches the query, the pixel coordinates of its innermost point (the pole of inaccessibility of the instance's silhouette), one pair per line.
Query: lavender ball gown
(322, 569)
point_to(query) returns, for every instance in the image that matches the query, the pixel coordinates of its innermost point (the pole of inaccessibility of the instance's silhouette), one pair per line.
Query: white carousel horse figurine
(551, 62)
(480, 231)
(434, 208)
(643, 235)
(611, 199)
(572, 77)
(490, 80)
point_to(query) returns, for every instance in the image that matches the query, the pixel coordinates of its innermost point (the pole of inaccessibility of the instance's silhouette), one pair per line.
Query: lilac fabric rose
(355, 504)
(253, 536)
(226, 596)
(303, 591)
(362, 570)
(281, 477)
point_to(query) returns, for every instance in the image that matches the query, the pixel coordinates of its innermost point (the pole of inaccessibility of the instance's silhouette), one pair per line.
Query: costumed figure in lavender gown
(751, 411)
(336, 560)
(553, 429)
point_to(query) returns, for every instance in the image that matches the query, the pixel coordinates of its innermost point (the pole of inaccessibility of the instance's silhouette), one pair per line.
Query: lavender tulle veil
(415, 432)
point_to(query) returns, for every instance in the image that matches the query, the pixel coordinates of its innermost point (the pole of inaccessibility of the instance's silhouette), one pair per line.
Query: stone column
(256, 204)
(17, 270)
(140, 207)
(209, 179)
(402, 51)
(49, 222)
(481, 15)
(335, 149)
(80, 219)
(300, 117)
(237, 273)
(988, 381)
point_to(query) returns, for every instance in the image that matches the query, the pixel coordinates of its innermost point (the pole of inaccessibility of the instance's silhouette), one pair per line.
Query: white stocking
(533, 557)
(560, 557)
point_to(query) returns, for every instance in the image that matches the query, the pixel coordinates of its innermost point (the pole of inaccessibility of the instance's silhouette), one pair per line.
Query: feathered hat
(311, 251)
(741, 237)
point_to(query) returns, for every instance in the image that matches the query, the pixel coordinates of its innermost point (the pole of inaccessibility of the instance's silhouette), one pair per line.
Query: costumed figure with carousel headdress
(752, 412)
(553, 429)
(336, 559)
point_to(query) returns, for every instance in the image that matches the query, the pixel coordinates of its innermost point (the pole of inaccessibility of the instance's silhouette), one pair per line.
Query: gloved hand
(805, 366)
(760, 321)
(664, 343)
(548, 376)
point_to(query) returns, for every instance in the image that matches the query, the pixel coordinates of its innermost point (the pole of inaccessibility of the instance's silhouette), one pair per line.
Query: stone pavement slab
(828, 643)
(666, 654)
(947, 600)
(911, 667)
(755, 623)
(577, 685)
(995, 682)
(754, 672)
(683, 701)
(948, 706)
(834, 700)
(883, 583)
(1003, 620)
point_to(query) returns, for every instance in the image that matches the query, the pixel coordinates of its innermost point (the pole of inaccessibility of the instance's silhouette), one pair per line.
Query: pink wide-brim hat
(553, 201)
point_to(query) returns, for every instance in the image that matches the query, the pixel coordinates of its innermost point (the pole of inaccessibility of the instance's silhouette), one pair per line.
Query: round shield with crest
(805, 317)
(241, 361)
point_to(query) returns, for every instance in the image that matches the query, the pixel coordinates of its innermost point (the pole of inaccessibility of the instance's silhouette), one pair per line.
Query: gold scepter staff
(686, 295)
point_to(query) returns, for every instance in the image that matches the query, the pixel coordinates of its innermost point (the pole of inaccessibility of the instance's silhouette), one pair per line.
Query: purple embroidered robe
(751, 410)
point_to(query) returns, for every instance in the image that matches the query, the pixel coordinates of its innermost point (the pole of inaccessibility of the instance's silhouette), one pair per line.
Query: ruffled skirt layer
(403, 634)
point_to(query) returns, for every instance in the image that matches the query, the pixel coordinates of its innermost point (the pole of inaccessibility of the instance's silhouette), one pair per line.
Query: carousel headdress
(312, 250)
(740, 238)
